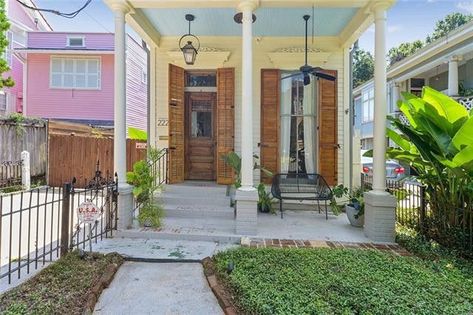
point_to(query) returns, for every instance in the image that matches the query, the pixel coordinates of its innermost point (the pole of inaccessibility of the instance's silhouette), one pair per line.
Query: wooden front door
(200, 136)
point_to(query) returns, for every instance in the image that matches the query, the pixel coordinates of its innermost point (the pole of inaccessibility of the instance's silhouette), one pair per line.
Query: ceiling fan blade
(306, 79)
(324, 76)
(292, 75)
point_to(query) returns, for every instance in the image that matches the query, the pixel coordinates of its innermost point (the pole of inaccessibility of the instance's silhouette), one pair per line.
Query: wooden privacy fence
(75, 156)
(25, 136)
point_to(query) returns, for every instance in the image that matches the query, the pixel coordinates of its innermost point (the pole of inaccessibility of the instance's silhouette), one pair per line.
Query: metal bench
(301, 187)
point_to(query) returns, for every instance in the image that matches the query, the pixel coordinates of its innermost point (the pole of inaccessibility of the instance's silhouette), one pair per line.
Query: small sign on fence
(141, 145)
(88, 212)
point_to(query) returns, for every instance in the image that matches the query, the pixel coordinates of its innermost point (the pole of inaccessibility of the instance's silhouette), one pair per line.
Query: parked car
(394, 170)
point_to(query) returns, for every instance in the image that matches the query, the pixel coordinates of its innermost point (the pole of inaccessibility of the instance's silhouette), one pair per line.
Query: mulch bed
(222, 293)
(72, 285)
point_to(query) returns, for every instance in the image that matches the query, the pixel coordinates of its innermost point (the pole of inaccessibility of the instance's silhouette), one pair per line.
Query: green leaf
(465, 158)
(445, 105)
(137, 134)
(398, 139)
(464, 136)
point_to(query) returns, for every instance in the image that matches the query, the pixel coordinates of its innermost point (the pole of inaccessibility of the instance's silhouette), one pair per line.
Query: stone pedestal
(380, 216)
(246, 222)
(125, 206)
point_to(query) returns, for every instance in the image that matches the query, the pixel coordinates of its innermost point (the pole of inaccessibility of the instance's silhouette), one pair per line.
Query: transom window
(75, 73)
(77, 41)
(368, 105)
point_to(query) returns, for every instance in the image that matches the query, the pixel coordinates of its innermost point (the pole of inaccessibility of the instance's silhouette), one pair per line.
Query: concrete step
(176, 236)
(208, 211)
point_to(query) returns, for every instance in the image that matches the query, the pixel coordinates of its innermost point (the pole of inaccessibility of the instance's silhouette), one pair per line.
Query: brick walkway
(280, 243)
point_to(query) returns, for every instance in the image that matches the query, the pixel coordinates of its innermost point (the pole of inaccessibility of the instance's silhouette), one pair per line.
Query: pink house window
(75, 73)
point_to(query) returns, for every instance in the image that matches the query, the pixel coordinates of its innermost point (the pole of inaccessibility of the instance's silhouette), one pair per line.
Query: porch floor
(201, 211)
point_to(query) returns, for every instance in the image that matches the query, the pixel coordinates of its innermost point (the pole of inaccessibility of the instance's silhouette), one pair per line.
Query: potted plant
(264, 200)
(234, 161)
(353, 203)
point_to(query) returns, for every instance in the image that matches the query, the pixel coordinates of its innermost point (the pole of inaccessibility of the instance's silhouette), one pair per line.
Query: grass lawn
(61, 288)
(344, 281)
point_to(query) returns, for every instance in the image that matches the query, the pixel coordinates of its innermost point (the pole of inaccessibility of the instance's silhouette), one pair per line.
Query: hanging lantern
(189, 50)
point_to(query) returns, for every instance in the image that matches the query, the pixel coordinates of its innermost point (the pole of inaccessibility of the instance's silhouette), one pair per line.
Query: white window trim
(98, 58)
(8, 55)
(370, 118)
(144, 76)
(6, 101)
(69, 37)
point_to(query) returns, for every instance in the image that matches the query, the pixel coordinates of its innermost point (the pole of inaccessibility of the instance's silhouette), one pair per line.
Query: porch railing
(159, 167)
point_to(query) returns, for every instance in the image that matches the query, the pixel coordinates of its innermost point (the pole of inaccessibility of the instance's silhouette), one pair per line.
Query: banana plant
(438, 143)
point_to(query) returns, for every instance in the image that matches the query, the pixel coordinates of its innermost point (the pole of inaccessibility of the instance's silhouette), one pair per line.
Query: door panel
(225, 122)
(176, 124)
(327, 130)
(200, 136)
(270, 107)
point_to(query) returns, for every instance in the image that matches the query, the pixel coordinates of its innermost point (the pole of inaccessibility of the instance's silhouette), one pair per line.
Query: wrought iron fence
(39, 225)
(159, 167)
(410, 196)
(10, 173)
(451, 228)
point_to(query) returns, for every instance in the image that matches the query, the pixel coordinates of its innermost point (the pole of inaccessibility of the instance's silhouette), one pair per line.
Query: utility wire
(70, 15)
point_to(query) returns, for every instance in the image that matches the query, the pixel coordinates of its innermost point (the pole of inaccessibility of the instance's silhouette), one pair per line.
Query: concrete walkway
(158, 288)
(142, 248)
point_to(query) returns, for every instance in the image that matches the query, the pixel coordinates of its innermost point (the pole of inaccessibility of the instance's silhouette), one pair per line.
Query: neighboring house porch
(234, 97)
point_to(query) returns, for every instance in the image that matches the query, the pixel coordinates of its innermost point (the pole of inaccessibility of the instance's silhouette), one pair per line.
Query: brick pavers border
(287, 243)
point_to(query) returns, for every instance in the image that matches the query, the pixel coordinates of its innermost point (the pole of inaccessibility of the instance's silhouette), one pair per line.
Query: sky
(408, 20)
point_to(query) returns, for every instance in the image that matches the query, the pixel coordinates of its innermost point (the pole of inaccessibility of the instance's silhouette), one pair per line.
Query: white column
(246, 196)
(119, 139)
(247, 8)
(125, 197)
(380, 206)
(396, 95)
(453, 76)
(380, 108)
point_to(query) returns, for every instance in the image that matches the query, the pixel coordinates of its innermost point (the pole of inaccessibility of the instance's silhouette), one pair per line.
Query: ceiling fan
(306, 70)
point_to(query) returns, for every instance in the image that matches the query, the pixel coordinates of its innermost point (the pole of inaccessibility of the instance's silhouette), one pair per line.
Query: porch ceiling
(341, 21)
(270, 21)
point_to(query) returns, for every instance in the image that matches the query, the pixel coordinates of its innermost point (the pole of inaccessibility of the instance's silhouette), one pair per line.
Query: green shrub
(151, 214)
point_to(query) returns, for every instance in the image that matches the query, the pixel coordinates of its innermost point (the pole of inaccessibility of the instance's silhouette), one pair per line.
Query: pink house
(69, 76)
(22, 20)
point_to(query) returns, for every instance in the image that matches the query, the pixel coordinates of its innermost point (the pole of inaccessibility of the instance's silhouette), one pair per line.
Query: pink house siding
(84, 105)
(136, 92)
(21, 21)
(46, 102)
(58, 40)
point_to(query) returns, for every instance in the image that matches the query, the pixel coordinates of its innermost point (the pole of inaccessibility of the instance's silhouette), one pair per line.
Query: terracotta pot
(351, 213)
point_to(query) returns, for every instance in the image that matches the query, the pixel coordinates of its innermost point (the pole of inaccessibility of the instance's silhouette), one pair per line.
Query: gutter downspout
(351, 114)
(148, 95)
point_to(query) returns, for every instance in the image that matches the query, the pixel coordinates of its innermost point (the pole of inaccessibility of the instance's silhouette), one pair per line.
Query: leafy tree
(448, 24)
(363, 67)
(404, 50)
(4, 26)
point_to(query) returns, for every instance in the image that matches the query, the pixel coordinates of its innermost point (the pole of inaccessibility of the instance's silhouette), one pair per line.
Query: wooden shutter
(270, 106)
(176, 124)
(328, 143)
(225, 122)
